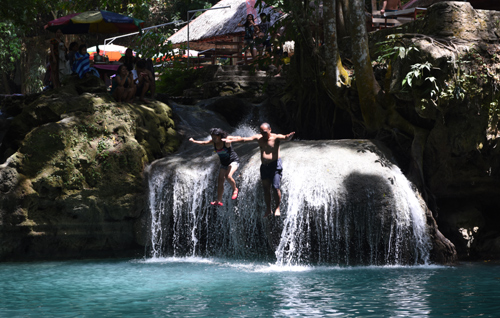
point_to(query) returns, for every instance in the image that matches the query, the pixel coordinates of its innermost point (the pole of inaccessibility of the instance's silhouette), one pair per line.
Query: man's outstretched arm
(286, 137)
(241, 139)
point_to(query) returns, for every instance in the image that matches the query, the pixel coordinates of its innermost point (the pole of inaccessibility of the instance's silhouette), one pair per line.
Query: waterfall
(346, 203)
(343, 202)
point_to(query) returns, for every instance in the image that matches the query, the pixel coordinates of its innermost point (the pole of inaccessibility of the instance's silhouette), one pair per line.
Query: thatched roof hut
(222, 24)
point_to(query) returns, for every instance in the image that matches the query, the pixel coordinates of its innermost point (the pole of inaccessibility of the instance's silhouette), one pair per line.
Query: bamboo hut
(218, 29)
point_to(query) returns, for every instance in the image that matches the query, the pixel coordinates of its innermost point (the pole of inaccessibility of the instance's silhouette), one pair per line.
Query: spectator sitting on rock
(82, 63)
(123, 87)
(145, 81)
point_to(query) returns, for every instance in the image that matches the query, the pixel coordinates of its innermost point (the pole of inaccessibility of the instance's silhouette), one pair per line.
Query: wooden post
(374, 7)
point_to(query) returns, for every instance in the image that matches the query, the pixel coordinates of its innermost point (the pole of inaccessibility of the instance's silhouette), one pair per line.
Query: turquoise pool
(198, 287)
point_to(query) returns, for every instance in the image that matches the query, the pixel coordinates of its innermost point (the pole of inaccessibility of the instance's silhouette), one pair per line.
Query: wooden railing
(396, 18)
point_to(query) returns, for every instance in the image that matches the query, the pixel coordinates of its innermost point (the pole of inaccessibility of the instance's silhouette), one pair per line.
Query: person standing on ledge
(229, 161)
(271, 168)
(390, 6)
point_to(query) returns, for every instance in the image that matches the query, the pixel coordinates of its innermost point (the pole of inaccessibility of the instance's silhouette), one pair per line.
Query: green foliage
(181, 7)
(153, 44)
(456, 86)
(420, 75)
(21, 13)
(135, 8)
(101, 149)
(417, 71)
(417, 74)
(176, 79)
(392, 48)
(33, 83)
(10, 47)
(283, 5)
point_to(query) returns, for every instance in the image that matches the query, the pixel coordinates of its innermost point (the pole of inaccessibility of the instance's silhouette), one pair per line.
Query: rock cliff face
(71, 181)
(454, 95)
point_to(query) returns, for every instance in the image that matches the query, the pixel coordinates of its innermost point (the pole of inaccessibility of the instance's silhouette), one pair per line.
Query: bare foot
(277, 212)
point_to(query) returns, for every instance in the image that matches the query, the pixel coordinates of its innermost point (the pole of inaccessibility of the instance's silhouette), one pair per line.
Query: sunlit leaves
(10, 47)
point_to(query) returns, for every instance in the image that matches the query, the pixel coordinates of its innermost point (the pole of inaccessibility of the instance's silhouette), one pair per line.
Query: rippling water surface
(196, 287)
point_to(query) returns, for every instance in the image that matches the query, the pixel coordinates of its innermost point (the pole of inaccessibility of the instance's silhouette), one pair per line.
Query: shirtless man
(271, 168)
(390, 6)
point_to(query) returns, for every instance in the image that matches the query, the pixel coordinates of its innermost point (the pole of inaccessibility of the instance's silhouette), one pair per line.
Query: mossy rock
(77, 172)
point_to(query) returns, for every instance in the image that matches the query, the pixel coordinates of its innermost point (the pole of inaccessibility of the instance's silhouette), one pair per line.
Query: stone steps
(242, 78)
(239, 73)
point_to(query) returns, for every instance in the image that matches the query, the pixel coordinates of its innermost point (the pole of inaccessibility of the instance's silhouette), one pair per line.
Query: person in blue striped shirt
(81, 65)
(82, 61)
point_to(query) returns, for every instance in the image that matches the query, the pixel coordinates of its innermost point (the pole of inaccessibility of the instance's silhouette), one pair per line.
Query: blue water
(219, 288)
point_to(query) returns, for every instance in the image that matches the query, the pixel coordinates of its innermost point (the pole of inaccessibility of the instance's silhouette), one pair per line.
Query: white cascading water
(343, 203)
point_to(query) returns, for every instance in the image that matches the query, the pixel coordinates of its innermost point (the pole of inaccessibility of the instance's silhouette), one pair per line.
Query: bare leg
(277, 198)
(128, 94)
(118, 94)
(266, 185)
(132, 91)
(220, 184)
(229, 176)
(143, 93)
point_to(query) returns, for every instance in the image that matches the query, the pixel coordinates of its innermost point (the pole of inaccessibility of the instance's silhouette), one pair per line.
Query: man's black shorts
(272, 171)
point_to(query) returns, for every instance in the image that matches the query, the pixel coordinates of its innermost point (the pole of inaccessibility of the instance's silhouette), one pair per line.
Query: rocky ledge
(71, 165)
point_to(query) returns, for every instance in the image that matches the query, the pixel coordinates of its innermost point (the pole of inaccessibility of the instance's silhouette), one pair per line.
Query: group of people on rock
(258, 38)
(132, 77)
(64, 61)
(271, 166)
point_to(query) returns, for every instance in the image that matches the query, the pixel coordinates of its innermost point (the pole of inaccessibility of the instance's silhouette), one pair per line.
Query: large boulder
(71, 181)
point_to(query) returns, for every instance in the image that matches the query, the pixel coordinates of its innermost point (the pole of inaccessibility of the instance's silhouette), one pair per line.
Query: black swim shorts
(273, 171)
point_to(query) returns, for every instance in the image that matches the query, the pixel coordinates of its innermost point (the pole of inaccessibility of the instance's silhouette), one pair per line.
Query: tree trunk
(334, 68)
(366, 84)
(331, 47)
(341, 25)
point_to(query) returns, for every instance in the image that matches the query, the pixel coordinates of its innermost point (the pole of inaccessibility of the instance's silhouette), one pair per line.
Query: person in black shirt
(229, 161)
(251, 29)
(129, 59)
(264, 36)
